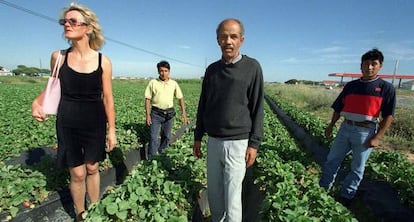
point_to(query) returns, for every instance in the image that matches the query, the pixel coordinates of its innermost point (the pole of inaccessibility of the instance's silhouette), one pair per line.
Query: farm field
(165, 189)
(317, 100)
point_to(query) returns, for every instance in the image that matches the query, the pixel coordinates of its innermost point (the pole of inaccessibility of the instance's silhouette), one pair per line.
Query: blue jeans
(226, 168)
(159, 121)
(350, 139)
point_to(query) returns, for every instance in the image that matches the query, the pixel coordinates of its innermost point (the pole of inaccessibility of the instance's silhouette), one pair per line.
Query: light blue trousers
(349, 139)
(226, 168)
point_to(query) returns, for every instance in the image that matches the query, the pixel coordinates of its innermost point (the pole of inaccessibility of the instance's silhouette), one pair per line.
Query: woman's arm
(108, 101)
(37, 110)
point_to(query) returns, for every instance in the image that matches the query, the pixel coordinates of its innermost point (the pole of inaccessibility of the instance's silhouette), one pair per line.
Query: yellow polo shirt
(162, 93)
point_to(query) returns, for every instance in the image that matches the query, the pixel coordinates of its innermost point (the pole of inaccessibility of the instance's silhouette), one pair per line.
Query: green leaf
(13, 211)
(124, 205)
(112, 208)
(122, 214)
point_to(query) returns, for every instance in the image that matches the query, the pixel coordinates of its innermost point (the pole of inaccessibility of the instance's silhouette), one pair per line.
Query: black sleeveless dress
(81, 118)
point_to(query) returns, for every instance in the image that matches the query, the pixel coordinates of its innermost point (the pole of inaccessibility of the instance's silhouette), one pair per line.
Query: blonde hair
(96, 38)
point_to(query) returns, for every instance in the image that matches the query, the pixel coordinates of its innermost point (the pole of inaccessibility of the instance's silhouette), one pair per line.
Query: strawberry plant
(396, 169)
(14, 180)
(290, 180)
(20, 132)
(165, 189)
(312, 124)
(145, 195)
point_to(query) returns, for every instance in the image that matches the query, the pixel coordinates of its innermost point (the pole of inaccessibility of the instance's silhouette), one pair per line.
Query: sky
(291, 39)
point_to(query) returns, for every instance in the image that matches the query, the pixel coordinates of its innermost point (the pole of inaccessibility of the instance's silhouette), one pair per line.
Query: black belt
(366, 124)
(164, 111)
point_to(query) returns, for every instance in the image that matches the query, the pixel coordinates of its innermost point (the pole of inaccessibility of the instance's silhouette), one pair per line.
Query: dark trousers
(162, 123)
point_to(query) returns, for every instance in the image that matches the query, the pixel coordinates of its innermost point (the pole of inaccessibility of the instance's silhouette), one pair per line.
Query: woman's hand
(37, 112)
(111, 141)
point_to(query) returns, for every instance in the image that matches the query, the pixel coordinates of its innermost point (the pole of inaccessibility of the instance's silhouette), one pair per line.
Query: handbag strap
(55, 72)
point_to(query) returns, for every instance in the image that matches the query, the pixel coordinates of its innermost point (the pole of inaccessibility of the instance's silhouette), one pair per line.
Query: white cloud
(332, 49)
(291, 60)
(184, 47)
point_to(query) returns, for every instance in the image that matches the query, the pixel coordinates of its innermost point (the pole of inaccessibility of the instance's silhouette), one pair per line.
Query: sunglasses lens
(62, 21)
(72, 21)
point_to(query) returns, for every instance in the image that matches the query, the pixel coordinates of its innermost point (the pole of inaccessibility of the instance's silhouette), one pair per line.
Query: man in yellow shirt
(159, 108)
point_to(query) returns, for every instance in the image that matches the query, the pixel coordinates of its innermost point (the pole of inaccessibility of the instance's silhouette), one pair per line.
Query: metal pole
(395, 70)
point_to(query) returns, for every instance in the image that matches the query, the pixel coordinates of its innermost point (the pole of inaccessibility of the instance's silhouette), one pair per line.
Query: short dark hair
(164, 64)
(373, 54)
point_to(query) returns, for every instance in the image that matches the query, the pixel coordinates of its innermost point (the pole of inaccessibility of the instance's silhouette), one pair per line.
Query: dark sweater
(231, 102)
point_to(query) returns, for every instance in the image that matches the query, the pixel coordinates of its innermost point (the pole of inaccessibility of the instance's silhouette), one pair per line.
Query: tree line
(305, 82)
(29, 71)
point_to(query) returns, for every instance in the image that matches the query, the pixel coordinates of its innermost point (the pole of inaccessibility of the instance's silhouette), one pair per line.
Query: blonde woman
(85, 121)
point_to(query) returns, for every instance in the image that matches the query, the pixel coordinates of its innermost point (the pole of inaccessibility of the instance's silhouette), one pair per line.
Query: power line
(27, 10)
(149, 52)
(106, 37)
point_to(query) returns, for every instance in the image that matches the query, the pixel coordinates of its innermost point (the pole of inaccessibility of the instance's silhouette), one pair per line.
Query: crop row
(163, 189)
(166, 188)
(289, 177)
(22, 183)
(391, 167)
(291, 190)
(21, 132)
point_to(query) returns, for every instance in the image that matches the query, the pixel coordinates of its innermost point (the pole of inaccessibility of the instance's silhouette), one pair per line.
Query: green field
(317, 100)
(165, 188)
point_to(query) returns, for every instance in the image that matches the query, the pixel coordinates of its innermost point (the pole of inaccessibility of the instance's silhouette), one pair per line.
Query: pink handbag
(52, 94)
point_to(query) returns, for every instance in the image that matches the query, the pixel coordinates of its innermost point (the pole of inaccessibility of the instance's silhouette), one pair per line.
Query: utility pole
(395, 70)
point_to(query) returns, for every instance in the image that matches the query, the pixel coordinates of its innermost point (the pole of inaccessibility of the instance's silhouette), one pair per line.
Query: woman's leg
(93, 181)
(78, 187)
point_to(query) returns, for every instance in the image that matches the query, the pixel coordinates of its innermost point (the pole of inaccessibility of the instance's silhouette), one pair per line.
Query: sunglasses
(72, 22)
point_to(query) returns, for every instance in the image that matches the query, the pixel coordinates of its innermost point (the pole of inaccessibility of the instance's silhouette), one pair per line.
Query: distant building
(408, 85)
(383, 76)
(5, 72)
(330, 83)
